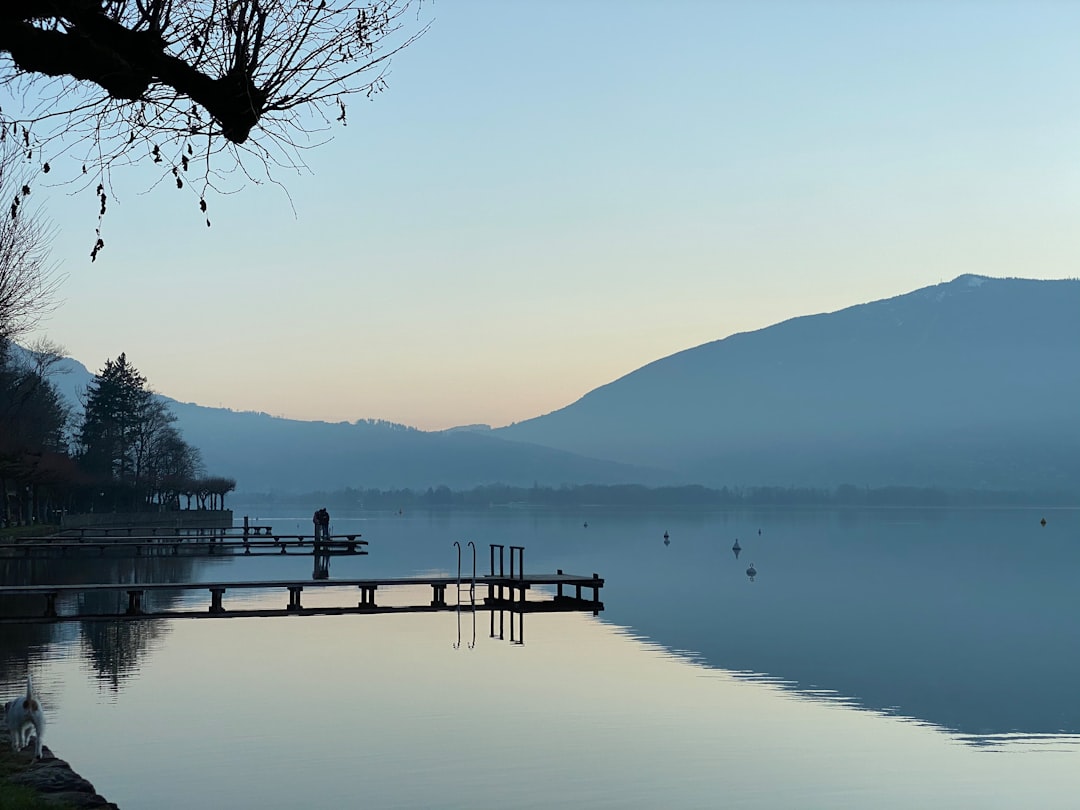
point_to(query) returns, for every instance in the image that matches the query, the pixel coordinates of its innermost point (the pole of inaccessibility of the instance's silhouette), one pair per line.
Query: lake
(879, 658)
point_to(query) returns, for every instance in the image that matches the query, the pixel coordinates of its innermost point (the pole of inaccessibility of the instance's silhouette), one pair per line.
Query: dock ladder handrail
(472, 582)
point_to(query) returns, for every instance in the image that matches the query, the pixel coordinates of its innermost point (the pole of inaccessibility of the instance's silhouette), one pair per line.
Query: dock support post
(294, 596)
(559, 585)
(438, 597)
(521, 561)
(367, 596)
(134, 607)
(215, 600)
(50, 604)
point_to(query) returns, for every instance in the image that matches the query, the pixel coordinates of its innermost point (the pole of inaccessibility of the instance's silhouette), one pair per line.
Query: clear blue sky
(550, 195)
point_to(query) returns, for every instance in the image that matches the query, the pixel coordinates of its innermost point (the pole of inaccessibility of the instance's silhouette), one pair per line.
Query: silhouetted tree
(127, 436)
(28, 282)
(117, 404)
(181, 82)
(33, 440)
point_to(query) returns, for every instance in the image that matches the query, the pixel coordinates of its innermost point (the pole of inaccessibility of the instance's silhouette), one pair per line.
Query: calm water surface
(879, 659)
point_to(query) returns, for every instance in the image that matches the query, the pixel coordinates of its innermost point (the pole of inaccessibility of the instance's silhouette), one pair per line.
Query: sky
(550, 195)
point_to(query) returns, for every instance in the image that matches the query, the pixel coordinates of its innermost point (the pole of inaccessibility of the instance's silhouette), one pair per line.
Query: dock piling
(294, 597)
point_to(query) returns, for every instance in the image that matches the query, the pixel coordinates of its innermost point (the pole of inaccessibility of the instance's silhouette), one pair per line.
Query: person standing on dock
(322, 524)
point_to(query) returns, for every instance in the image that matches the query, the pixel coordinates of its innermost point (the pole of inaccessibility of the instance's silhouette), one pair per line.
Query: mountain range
(973, 383)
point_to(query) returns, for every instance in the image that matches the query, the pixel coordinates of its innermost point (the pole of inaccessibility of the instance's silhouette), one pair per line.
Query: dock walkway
(189, 544)
(503, 592)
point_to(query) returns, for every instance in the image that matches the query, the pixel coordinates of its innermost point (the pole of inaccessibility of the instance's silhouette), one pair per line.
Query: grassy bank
(18, 797)
(38, 530)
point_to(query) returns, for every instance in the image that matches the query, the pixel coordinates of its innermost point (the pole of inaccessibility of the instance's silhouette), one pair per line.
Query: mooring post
(491, 589)
(294, 596)
(134, 607)
(438, 597)
(367, 596)
(245, 526)
(50, 604)
(215, 600)
(559, 585)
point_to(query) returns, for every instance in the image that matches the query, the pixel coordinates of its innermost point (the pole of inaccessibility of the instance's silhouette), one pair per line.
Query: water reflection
(929, 614)
(926, 614)
(114, 650)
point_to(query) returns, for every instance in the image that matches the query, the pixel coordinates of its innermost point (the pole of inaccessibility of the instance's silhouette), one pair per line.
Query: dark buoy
(1042, 522)
(667, 539)
(586, 524)
(751, 572)
(736, 548)
(759, 532)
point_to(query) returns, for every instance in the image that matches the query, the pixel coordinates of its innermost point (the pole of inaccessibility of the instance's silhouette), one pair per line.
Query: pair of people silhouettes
(321, 519)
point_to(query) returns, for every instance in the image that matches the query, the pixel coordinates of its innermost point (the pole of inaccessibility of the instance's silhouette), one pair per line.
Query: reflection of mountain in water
(113, 649)
(963, 620)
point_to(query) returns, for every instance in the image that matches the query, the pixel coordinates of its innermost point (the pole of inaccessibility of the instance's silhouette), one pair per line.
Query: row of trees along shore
(122, 454)
(639, 496)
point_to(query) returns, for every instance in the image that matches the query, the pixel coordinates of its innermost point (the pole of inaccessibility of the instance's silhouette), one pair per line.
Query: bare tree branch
(178, 82)
(28, 280)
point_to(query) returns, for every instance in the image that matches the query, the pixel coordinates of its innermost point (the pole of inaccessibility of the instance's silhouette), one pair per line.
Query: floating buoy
(759, 532)
(667, 539)
(736, 548)
(751, 572)
(1042, 522)
(586, 524)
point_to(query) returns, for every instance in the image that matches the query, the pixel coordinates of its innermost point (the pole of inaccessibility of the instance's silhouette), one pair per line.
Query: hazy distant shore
(630, 496)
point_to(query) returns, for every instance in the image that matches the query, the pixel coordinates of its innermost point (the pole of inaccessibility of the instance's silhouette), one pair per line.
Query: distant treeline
(632, 495)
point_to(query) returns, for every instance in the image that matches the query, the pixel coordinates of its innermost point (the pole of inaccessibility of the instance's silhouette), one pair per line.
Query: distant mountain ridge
(971, 383)
(266, 453)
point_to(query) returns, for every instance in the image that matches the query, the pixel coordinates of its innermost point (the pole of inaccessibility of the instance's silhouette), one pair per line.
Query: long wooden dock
(503, 593)
(253, 545)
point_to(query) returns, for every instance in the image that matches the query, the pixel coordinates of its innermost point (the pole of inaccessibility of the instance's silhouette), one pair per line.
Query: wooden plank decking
(255, 545)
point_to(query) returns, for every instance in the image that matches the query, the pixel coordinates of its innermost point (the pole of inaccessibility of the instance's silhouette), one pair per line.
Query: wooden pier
(189, 544)
(59, 603)
(503, 593)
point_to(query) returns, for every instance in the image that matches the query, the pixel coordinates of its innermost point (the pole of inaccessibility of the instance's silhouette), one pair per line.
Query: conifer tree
(117, 407)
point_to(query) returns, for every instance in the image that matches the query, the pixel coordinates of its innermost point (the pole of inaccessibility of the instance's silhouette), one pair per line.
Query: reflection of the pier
(112, 649)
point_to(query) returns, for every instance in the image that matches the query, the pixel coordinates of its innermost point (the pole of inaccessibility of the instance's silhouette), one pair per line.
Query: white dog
(22, 714)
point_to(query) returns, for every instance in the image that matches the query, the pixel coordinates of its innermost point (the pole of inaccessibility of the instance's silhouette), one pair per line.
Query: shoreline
(52, 779)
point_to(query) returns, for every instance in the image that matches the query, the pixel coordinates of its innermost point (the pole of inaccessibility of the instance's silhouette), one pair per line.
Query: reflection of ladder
(472, 596)
(472, 582)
